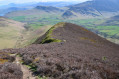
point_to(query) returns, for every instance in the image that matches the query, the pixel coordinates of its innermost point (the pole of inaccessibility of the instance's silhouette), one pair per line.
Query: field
(41, 20)
(109, 32)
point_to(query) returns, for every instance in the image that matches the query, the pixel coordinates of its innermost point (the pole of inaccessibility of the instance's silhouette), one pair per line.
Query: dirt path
(27, 74)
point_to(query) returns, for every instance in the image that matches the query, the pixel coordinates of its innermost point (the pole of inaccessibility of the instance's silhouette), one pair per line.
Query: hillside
(15, 34)
(4, 11)
(38, 10)
(67, 14)
(69, 51)
(113, 21)
(10, 31)
(95, 8)
(48, 9)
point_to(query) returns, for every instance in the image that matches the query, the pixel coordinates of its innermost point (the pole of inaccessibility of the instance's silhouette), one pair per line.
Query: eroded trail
(27, 74)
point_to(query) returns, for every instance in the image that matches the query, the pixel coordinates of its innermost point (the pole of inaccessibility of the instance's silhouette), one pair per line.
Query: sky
(25, 1)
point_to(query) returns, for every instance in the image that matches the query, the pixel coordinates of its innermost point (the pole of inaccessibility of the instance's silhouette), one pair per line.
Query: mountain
(10, 31)
(34, 4)
(57, 4)
(4, 9)
(36, 11)
(67, 14)
(100, 5)
(48, 8)
(95, 7)
(88, 9)
(22, 5)
(11, 9)
(69, 51)
(112, 21)
(37, 14)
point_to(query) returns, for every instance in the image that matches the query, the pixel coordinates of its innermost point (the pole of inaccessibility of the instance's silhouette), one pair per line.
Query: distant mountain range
(57, 4)
(33, 4)
(16, 7)
(88, 9)
(92, 8)
(11, 9)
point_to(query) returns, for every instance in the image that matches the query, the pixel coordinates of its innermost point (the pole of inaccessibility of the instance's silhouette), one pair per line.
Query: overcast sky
(24, 1)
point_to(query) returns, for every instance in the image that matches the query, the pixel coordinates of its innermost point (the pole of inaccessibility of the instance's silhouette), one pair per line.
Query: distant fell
(95, 7)
(48, 8)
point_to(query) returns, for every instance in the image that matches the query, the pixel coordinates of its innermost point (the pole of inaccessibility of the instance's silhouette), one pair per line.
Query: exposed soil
(27, 74)
(81, 55)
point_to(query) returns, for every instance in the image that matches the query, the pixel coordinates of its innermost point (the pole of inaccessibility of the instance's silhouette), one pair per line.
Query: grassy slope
(49, 37)
(10, 31)
(31, 35)
(13, 34)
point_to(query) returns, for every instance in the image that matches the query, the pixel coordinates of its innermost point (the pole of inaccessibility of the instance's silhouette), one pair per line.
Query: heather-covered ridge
(80, 54)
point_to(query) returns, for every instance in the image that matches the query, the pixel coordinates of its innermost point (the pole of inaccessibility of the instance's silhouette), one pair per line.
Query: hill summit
(69, 51)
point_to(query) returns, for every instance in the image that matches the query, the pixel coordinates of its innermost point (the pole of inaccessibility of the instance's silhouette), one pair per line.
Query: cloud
(5, 2)
(24, 1)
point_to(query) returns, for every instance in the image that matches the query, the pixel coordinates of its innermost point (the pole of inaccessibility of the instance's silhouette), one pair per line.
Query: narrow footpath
(27, 74)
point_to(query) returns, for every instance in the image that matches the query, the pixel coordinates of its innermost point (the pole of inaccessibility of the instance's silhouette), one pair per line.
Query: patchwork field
(109, 32)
